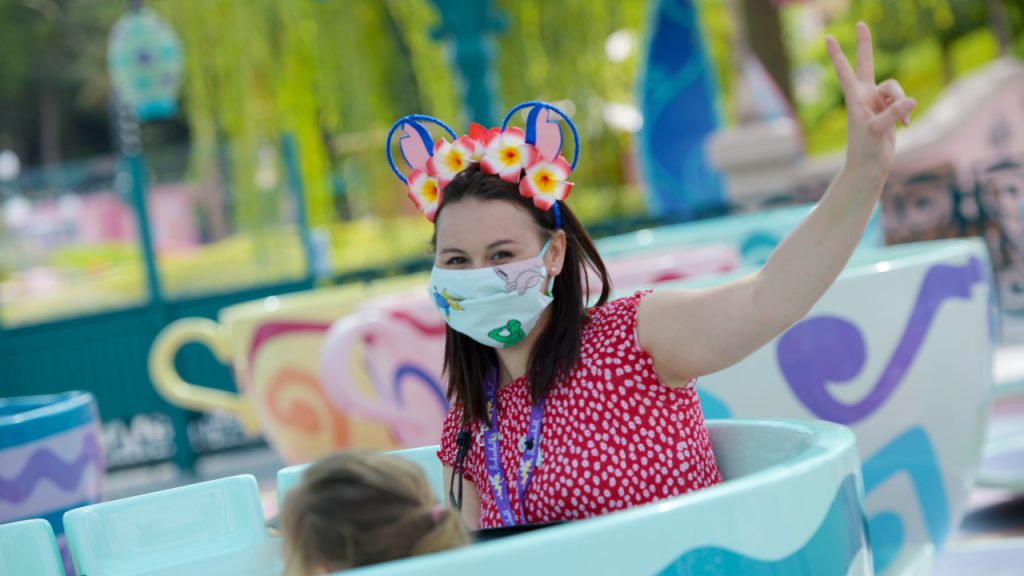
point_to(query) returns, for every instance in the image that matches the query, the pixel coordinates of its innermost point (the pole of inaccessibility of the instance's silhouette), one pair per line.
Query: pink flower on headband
(425, 192)
(450, 158)
(503, 155)
(479, 135)
(545, 182)
(538, 169)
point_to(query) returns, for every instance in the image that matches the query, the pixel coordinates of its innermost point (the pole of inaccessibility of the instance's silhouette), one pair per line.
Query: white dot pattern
(613, 435)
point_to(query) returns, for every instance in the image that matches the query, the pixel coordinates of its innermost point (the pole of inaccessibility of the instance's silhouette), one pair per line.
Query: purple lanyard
(492, 451)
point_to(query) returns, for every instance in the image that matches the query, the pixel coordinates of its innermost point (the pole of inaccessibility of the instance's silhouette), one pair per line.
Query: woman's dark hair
(557, 350)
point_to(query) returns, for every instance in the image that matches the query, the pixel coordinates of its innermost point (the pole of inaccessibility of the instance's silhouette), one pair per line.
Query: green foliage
(15, 68)
(335, 74)
(973, 50)
(907, 22)
(921, 43)
(719, 32)
(556, 51)
(53, 64)
(316, 70)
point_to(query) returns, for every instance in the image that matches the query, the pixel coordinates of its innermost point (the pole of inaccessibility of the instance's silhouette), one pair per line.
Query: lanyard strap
(492, 451)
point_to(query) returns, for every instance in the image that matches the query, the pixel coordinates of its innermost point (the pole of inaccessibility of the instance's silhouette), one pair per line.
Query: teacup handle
(176, 390)
(336, 370)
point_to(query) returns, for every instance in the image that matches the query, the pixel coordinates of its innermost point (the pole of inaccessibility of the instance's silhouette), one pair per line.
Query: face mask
(495, 306)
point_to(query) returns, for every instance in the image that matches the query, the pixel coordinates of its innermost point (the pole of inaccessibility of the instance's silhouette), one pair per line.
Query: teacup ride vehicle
(51, 460)
(736, 527)
(897, 349)
(272, 346)
(791, 503)
(29, 547)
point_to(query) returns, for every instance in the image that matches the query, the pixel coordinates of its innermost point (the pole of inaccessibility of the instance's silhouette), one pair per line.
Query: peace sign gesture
(872, 110)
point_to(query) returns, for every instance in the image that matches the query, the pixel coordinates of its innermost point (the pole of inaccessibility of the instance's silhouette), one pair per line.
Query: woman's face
(475, 233)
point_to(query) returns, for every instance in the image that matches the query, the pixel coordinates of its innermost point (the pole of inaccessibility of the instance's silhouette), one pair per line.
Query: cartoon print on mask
(508, 335)
(446, 302)
(523, 281)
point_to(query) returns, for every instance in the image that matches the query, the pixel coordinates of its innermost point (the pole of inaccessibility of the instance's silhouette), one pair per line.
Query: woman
(561, 412)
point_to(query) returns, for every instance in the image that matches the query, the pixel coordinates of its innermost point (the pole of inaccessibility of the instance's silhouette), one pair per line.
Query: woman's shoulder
(613, 323)
(624, 308)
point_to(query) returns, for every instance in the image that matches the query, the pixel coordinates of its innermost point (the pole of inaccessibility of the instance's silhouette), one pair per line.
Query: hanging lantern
(145, 62)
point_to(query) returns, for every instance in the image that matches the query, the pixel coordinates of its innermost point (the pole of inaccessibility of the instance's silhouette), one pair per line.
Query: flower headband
(531, 158)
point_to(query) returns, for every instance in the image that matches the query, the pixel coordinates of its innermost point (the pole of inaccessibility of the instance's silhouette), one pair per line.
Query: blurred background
(282, 101)
(165, 163)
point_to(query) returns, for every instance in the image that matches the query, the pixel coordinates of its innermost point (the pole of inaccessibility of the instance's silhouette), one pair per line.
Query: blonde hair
(358, 508)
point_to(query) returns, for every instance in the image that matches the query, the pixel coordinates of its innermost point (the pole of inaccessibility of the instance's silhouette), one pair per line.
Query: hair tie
(436, 512)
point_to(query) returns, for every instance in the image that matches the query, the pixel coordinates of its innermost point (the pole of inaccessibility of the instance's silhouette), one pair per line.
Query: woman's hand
(872, 110)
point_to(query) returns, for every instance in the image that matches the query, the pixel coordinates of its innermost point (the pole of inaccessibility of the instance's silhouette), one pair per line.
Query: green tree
(764, 36)
(898, 24)
(53, 88)
(556, 51)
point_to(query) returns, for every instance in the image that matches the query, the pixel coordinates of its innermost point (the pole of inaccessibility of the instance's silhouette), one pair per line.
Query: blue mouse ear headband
(531, 158)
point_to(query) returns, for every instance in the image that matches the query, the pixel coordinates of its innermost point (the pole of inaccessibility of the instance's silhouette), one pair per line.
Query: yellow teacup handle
(176, 390)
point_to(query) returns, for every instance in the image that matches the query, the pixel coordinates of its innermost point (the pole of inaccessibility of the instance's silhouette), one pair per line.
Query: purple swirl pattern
(44, 464)
(829, 349)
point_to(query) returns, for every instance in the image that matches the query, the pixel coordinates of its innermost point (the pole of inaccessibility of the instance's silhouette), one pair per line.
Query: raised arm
(693, 333)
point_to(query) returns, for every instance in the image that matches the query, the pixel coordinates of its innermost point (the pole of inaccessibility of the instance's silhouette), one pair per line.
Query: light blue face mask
(496, 306)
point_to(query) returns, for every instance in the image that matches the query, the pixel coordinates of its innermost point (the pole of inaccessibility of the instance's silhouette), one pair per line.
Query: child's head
(354, 509)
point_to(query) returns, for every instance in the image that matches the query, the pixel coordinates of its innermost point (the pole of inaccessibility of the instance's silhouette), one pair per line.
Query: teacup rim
(253, 309)
(48, 405)
(880, 260)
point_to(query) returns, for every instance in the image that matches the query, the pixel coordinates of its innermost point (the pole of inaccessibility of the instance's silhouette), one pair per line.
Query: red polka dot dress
(613, 436)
